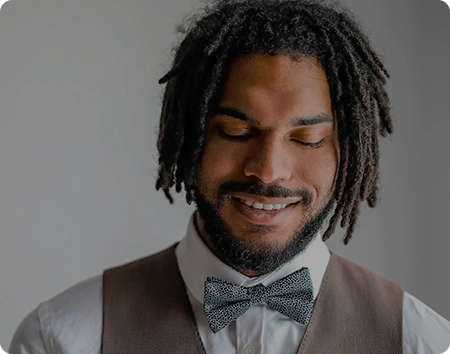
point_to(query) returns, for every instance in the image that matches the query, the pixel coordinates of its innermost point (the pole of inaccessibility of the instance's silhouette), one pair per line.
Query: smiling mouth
(260, 206)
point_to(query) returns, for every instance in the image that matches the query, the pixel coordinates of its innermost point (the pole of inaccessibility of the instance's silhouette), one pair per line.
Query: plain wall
(79, 110)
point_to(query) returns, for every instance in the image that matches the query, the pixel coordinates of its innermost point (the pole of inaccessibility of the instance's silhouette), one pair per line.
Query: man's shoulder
(79, 301)
(424, 330)
(84, 300)
(71, 319)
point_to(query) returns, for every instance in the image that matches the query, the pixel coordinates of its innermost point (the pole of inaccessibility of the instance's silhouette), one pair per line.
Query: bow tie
(225, 302)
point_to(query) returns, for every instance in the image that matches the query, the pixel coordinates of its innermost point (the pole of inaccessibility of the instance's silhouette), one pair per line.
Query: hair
(227, 29)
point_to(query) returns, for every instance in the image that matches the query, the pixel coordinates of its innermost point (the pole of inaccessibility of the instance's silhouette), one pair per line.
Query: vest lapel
(146, 309)
(355, 312)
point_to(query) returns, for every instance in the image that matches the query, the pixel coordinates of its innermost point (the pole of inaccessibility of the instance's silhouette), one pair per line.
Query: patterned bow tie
(225, 302)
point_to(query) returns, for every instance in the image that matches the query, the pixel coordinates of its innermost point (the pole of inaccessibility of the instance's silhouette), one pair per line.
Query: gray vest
(146, 309)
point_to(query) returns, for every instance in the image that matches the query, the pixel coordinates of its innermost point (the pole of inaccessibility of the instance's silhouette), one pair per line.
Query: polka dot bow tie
(225, 302)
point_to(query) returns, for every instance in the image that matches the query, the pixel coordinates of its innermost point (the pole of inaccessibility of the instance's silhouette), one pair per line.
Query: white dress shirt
(71, 322)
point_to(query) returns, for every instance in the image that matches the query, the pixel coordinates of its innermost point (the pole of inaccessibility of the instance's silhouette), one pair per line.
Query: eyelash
(311, 145)
(246, 136)
(233, 137)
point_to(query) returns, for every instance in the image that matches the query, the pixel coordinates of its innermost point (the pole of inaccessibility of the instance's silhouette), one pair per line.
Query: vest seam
(191, 310)
(316, 305)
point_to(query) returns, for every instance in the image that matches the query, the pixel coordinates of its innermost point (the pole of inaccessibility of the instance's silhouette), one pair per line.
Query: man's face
(266, 177)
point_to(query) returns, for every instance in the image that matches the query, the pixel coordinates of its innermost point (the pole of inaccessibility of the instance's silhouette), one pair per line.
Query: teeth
(260, 206)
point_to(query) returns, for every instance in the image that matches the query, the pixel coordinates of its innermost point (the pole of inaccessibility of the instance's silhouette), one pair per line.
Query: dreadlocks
(300, 28)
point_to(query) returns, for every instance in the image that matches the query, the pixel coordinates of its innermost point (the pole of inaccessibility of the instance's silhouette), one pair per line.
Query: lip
(261, 216)
(264, 200)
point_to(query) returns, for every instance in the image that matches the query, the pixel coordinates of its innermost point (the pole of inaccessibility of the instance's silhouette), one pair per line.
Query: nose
(269, 162)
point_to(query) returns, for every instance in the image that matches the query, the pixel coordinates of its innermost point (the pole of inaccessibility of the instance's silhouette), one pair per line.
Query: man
(270, 122)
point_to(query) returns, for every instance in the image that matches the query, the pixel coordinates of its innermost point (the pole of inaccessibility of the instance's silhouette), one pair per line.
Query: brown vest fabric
(146, 309)
(355, 312)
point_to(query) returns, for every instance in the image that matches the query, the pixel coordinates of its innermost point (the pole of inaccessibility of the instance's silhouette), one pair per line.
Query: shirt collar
(197, 262)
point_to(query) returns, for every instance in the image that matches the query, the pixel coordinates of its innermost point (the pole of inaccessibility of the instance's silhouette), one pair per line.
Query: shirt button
(250, 350)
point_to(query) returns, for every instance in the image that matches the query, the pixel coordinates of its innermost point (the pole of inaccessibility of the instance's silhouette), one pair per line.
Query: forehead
(277, 68)
(277, 86)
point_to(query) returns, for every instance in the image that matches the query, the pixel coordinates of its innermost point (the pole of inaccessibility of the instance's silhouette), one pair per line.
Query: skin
(273, 126)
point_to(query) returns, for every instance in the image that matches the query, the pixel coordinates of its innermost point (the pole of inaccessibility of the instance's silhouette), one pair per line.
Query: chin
(256, 248)
(260, 251)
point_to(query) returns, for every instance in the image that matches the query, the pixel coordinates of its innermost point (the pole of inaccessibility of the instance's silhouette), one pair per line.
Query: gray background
(79, 106)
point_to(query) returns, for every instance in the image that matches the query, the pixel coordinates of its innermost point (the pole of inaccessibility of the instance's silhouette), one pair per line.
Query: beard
(251, 255)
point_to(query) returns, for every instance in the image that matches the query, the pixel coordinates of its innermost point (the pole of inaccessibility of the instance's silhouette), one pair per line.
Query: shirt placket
(249, 331)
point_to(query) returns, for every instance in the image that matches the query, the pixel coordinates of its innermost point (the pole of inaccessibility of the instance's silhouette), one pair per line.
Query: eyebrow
(296, 122)
(312, 120)
(232, 112)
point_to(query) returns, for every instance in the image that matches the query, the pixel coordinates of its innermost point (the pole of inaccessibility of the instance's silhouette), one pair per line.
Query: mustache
(270, 191)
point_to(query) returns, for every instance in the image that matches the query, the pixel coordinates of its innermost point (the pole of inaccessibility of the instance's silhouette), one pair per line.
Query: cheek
(219, 163)
(319, 169)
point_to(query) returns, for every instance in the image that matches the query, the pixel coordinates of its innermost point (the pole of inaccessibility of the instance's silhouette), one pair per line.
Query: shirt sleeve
(424, 331)
(28, 337)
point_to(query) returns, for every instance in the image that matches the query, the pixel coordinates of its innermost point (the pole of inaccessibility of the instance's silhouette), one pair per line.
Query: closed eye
(312, 145)
(241, 136)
